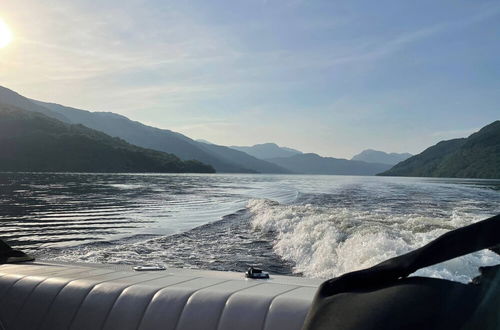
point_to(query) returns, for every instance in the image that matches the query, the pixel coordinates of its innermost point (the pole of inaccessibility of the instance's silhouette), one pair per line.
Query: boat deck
(51, 296)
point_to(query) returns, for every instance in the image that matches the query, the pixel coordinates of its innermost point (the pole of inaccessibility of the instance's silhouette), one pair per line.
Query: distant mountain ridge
(267, 150)
(381, 157)
(203, 141)
(224, 160)
(143, 135)
(477, 156)
(10, 97)
(311, 163)
(243, 159)
(33, 142)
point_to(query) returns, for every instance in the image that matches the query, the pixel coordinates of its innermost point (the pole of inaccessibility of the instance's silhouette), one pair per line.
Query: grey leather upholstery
(48, 296)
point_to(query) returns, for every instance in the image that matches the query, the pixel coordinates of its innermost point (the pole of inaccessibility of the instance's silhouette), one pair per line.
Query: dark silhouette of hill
(314, 164)
(10, 97)
(477, 156)
(381, 157)
(223, 159)
(267, 151)
(144, 136)
(33, 142)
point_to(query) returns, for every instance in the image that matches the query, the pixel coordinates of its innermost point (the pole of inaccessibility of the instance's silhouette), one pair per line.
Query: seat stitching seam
(112, 306)
(229, 297)
(33, 290)
(120, 294)
(10, 287)
(271, 302)
(87, 294)
(59, 292)
(29, 295)
(187, 300)
(155, 294)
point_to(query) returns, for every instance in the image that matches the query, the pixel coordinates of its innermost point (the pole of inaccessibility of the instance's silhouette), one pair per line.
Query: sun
(5, 34)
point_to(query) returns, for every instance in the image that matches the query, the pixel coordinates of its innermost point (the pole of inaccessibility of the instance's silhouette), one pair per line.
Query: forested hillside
(31, 141)
(477, 156)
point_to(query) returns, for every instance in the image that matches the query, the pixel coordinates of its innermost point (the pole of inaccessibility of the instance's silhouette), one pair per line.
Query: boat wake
(315, 226)
(328, 241)
(230, 244)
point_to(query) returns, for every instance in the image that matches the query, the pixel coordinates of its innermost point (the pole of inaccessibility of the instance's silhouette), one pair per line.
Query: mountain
(203, 141)
(145, 136)
(10, 97)
(33, 142)
(243, 159)
(375, 156)
(477, 156)
(225, 160)
(314, 164)
(267, 151)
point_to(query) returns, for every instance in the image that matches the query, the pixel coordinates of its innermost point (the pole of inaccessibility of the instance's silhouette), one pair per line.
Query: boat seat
(50, 296)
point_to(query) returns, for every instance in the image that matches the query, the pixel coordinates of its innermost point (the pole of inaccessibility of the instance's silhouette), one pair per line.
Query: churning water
(315, 226)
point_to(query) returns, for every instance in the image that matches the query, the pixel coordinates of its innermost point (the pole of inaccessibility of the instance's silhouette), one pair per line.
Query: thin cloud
(171, 66)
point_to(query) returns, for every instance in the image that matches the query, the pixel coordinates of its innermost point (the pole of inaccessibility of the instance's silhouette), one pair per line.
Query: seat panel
(129, 308)
(247, 309)
(15, 297)
(204, 308)
(57, 297)
(167, 304)
(288, 311)
(98, 303)
(70, 298)
(39, 302)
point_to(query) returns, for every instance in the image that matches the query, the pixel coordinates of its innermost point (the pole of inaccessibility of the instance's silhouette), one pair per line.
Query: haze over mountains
(243, 159)
(375, 156)
(222, 158)
(477, 156)
(298, 162)
(225, 160)
(311, 163)
(268, 150)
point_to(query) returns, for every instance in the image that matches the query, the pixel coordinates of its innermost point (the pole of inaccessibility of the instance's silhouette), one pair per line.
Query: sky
(330, 77)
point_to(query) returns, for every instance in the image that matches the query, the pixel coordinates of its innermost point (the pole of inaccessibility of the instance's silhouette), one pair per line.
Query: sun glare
(5, 34)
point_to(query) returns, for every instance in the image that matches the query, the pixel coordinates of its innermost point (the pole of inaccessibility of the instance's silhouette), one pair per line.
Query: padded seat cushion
(50, 296)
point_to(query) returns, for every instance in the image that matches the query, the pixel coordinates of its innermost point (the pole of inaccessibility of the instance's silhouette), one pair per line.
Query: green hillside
(30, 141)
(477, 156)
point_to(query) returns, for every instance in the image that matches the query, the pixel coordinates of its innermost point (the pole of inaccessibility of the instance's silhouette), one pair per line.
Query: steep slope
(144, 136)
(267, 151)
(477, 156)
(10, 97)
(31, 141)
(315, 164)
(223, 160)
(381, 157)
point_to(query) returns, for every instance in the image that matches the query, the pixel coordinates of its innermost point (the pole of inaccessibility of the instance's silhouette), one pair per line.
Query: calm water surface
(317, 226)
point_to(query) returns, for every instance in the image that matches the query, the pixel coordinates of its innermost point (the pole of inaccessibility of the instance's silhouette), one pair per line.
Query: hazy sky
(332, 77)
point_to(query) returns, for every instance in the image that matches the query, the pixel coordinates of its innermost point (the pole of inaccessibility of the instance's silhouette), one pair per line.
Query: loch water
(314, 226)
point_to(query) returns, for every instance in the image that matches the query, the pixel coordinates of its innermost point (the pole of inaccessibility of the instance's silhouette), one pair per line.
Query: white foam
(328, 241)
